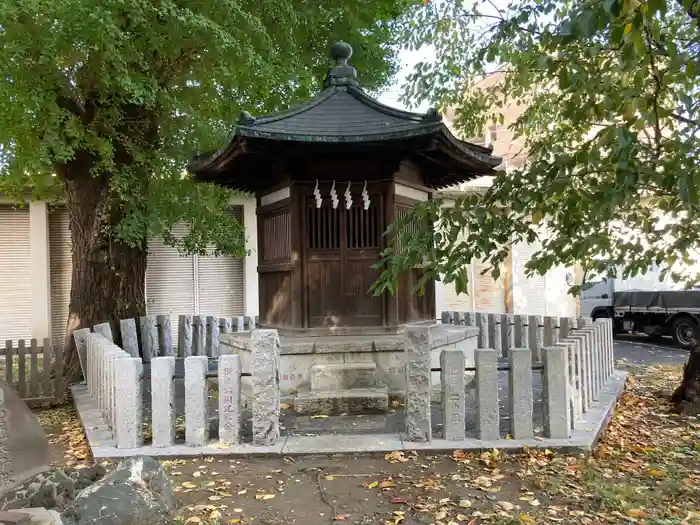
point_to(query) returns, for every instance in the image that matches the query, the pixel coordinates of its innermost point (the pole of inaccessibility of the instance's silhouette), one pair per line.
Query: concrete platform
(584, 438)
(343, 376)
(355, 401)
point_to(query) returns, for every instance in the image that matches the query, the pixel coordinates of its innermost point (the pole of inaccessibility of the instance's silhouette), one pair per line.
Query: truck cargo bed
(670, 300)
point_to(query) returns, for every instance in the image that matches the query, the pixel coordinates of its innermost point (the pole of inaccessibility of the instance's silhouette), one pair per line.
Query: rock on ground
(137, 492)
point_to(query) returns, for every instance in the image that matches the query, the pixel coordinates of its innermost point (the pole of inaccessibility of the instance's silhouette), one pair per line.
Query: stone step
(341, 376)
(355, 401)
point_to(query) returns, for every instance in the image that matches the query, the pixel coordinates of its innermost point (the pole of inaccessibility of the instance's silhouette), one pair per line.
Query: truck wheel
(684, 331)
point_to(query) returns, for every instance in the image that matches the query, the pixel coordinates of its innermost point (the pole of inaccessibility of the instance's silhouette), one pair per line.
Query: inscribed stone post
(249, 322)
(600, 340)
(229, 399)
(592, 344)
(129, 403)
(196, 401)
(163, 401)
(457, 318)
(535, 329)
(585, 375)
(225, 325)
(487, 416)
(105, 329)
(482, 323)
(237, 324)
(520, 387)
(495, 340)
(184, 336)
(149, 337)
(24, 449)
(81, 345)
(565, 326)
(521, 336)
(507, 332)
(91, 341)
(452, 363)
(551, 330)
(555, 393)
(199, 335)
(606, 358)
(575, 397)
(212, 336)
(165, 335)
(417, 403)
(446, 317)
(266, 387)
(469, 318)
(130, 338)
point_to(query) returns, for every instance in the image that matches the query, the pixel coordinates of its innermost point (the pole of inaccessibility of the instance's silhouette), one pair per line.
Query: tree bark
(108, 277)
(686, 398)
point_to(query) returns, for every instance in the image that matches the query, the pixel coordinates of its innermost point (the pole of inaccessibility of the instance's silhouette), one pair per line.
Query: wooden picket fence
(36, 372)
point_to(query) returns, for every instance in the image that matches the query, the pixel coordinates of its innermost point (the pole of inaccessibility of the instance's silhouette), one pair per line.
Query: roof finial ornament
(342, 73)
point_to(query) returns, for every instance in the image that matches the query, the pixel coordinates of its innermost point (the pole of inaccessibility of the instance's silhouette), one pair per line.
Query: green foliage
(610, 92)
(128, 90)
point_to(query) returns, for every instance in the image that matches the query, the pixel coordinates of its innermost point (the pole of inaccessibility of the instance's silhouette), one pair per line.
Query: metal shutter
(489, 295)
(220, 282)
(61, 267)
(170, 281)
(559, 301)
(529, 296)
(15, 274)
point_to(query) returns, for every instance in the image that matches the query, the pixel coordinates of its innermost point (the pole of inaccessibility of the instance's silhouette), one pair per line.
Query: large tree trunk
(108, 279)
(686, 398)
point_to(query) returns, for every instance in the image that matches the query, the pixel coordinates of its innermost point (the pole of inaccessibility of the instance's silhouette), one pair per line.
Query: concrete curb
(583, 439)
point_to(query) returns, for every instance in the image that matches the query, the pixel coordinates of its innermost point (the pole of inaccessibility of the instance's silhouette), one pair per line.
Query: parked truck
(645, 304)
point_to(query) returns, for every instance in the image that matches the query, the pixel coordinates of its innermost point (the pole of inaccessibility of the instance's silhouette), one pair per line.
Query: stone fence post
(555, 393)
(196, 401)
(520, 392)
(229, 399)
(417, 354)
(129, 402)
(266, 387)
(488, 413)
(452, 364)
(163, 401)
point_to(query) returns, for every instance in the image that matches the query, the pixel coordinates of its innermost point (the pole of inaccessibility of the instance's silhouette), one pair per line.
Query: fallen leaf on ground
(264, 497)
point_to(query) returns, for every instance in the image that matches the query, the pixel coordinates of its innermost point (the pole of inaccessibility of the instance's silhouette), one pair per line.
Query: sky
(392, 93)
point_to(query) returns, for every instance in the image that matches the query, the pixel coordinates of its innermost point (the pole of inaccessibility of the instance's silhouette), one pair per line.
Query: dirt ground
(645, 471)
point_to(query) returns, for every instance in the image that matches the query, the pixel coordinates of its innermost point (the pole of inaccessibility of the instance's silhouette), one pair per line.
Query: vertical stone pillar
(452, 363)
(609, 336)
(266, 387)
(535, 331)
(229, 399)
(129, 403)
(105, 329)
(482, 323)
(130, 337)
(81, 345)
(237, 324)
(249, 323)
(592, 340)
(417, 403)
(495, 337)
(457, 318)
(212, 336)
(89, 376)
(149, 337)
(555, 393)
(184, 336)
(520, 389)
(165, 336)
(551, 330)
(446, 317)
(196, 401)
(507, 332)
(488, 414)
(521, 336)
(574, 379)
(199, 335)
(163, 401)
(565, 326)
(469, 318)
(225, 325)
(579, 340)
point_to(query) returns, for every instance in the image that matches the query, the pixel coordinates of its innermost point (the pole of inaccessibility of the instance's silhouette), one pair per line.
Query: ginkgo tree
(102, 103)
(611, 98)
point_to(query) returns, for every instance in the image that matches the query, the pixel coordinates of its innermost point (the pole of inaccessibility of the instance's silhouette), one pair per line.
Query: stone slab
(41, 516)
(343, 376)
(583, 439)
(24, 448)
(356, 401)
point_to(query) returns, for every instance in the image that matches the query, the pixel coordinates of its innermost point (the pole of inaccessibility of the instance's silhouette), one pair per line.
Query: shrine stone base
(347, 373)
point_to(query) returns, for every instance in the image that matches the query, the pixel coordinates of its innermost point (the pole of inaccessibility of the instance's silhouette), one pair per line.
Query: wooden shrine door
(341, 247)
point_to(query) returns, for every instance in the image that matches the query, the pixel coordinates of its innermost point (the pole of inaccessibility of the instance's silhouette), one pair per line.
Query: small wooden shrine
(330, 175)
